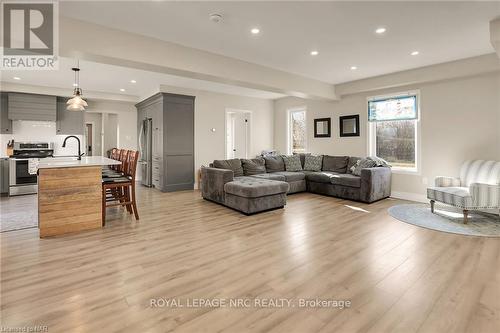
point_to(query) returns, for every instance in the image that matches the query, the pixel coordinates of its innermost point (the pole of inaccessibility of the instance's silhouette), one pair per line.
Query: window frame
(371, 137)
(289, 127)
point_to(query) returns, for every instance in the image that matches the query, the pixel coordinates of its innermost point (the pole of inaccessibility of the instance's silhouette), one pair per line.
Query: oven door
(20, 180)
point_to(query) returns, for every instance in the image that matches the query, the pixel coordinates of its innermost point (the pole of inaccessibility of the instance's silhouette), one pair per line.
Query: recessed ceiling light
(414, 53)
(353, 68)
(380, 30)
(133, 81)
(255, 31)
(314, 53)
(16, 78)
(215, 17)
(122, 90)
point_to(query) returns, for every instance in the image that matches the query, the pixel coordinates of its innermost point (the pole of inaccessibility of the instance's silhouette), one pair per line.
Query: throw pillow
(302, 157)
(352, 162)
(254, 166)
(274, 163)
(313, 163)
(292, 163)
(335, 163)
(380, 162)
(234, 164)
(362, 164)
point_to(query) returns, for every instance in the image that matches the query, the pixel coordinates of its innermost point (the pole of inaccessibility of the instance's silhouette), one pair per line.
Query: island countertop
(73, 162)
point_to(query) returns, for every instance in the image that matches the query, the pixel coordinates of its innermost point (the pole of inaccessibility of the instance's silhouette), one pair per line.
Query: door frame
(249, 129)
(93, 137)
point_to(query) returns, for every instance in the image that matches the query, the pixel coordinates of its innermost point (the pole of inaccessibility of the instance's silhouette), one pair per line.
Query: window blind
(393, 108)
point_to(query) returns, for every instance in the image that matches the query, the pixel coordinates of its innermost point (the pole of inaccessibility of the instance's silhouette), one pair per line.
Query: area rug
(19, 212)
(447, 219)
(17, 221)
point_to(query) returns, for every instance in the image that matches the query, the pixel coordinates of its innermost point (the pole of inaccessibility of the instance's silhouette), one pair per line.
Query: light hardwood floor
(399, 278)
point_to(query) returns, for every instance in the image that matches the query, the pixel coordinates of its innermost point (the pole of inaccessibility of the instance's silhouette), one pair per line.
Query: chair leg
(134, 204)
(126, 190)
(466, 212)
(103, 206)
(432, 206)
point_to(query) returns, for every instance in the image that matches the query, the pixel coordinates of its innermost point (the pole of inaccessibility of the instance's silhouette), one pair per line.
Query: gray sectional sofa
(260, 184)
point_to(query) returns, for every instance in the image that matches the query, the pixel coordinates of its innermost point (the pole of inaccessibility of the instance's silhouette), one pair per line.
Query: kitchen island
(70, 194)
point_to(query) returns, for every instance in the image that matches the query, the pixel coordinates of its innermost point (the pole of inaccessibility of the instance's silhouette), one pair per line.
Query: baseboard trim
(409, 196)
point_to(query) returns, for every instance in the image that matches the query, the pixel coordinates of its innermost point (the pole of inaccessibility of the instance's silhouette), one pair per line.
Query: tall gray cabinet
(173, 139)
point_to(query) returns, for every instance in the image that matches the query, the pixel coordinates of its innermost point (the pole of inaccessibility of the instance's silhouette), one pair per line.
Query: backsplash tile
(35, 131)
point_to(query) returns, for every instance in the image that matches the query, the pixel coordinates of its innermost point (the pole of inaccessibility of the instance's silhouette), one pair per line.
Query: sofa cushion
(456, 196)
(346, 179)
(352, 162)
(313, 163)
(270, 176)
(250, 187)
(320, 177)
(253, 166)
(291, 176)
(234, 164)
(292, 163)
(335, 163)
(274, 163)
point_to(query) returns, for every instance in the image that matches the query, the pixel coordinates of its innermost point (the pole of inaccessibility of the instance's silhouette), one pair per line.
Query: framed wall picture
(323, 127)
(349, 125)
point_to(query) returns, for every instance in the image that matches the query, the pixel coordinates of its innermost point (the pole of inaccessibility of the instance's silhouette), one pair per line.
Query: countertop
(73, 162)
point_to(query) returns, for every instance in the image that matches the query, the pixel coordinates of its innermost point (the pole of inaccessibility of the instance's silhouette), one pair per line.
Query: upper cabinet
(5, 122)
(68, 122)
(31, 107)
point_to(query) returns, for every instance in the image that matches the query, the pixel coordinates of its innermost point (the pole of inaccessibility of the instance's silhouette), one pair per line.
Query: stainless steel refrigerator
(146, 152)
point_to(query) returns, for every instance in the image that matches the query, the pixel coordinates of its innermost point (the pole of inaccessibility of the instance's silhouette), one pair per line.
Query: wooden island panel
(69, 200)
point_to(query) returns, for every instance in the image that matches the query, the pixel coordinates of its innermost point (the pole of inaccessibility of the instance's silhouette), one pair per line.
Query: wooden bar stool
(120, 191)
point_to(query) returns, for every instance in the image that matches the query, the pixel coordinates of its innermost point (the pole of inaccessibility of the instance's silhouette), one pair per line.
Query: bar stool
(120, 191)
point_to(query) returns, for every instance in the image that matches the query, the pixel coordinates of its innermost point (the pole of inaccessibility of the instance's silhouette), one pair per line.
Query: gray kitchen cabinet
(4, 175)
(68, 122)
(23, 106)
(172, 139)
(5, 122)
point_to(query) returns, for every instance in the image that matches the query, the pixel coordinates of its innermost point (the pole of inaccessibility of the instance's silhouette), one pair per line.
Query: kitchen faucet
(77, 139)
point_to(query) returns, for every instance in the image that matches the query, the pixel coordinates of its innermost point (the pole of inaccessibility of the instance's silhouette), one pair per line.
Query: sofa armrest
(485, 195)
(442, 181)
(212, 183)
(375, 183)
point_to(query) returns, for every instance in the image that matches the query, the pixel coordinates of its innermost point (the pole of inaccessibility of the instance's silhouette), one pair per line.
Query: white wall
(460, 119)
(210, 109)
(110, 130)
(127, 119)
(96, 120)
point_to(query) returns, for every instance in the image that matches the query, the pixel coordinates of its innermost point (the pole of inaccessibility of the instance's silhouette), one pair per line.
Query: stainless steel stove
(21, 180)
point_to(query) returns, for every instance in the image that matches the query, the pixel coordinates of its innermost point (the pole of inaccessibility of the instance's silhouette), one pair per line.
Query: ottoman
(252, 195)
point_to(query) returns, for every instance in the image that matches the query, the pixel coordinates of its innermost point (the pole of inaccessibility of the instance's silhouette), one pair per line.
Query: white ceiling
(110, 79)
(343, 32)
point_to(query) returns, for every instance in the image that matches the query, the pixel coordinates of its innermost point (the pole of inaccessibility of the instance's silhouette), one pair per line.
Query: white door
(237, 134)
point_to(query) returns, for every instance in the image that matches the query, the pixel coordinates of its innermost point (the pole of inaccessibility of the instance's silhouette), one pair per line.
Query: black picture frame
(344, 131)
(322, 121)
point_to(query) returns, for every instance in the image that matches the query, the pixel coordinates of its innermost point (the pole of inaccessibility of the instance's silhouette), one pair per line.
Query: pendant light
(76, 103)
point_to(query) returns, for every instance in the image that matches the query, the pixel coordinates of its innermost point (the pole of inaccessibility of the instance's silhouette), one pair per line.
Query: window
(297, 131)
(393, 130)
